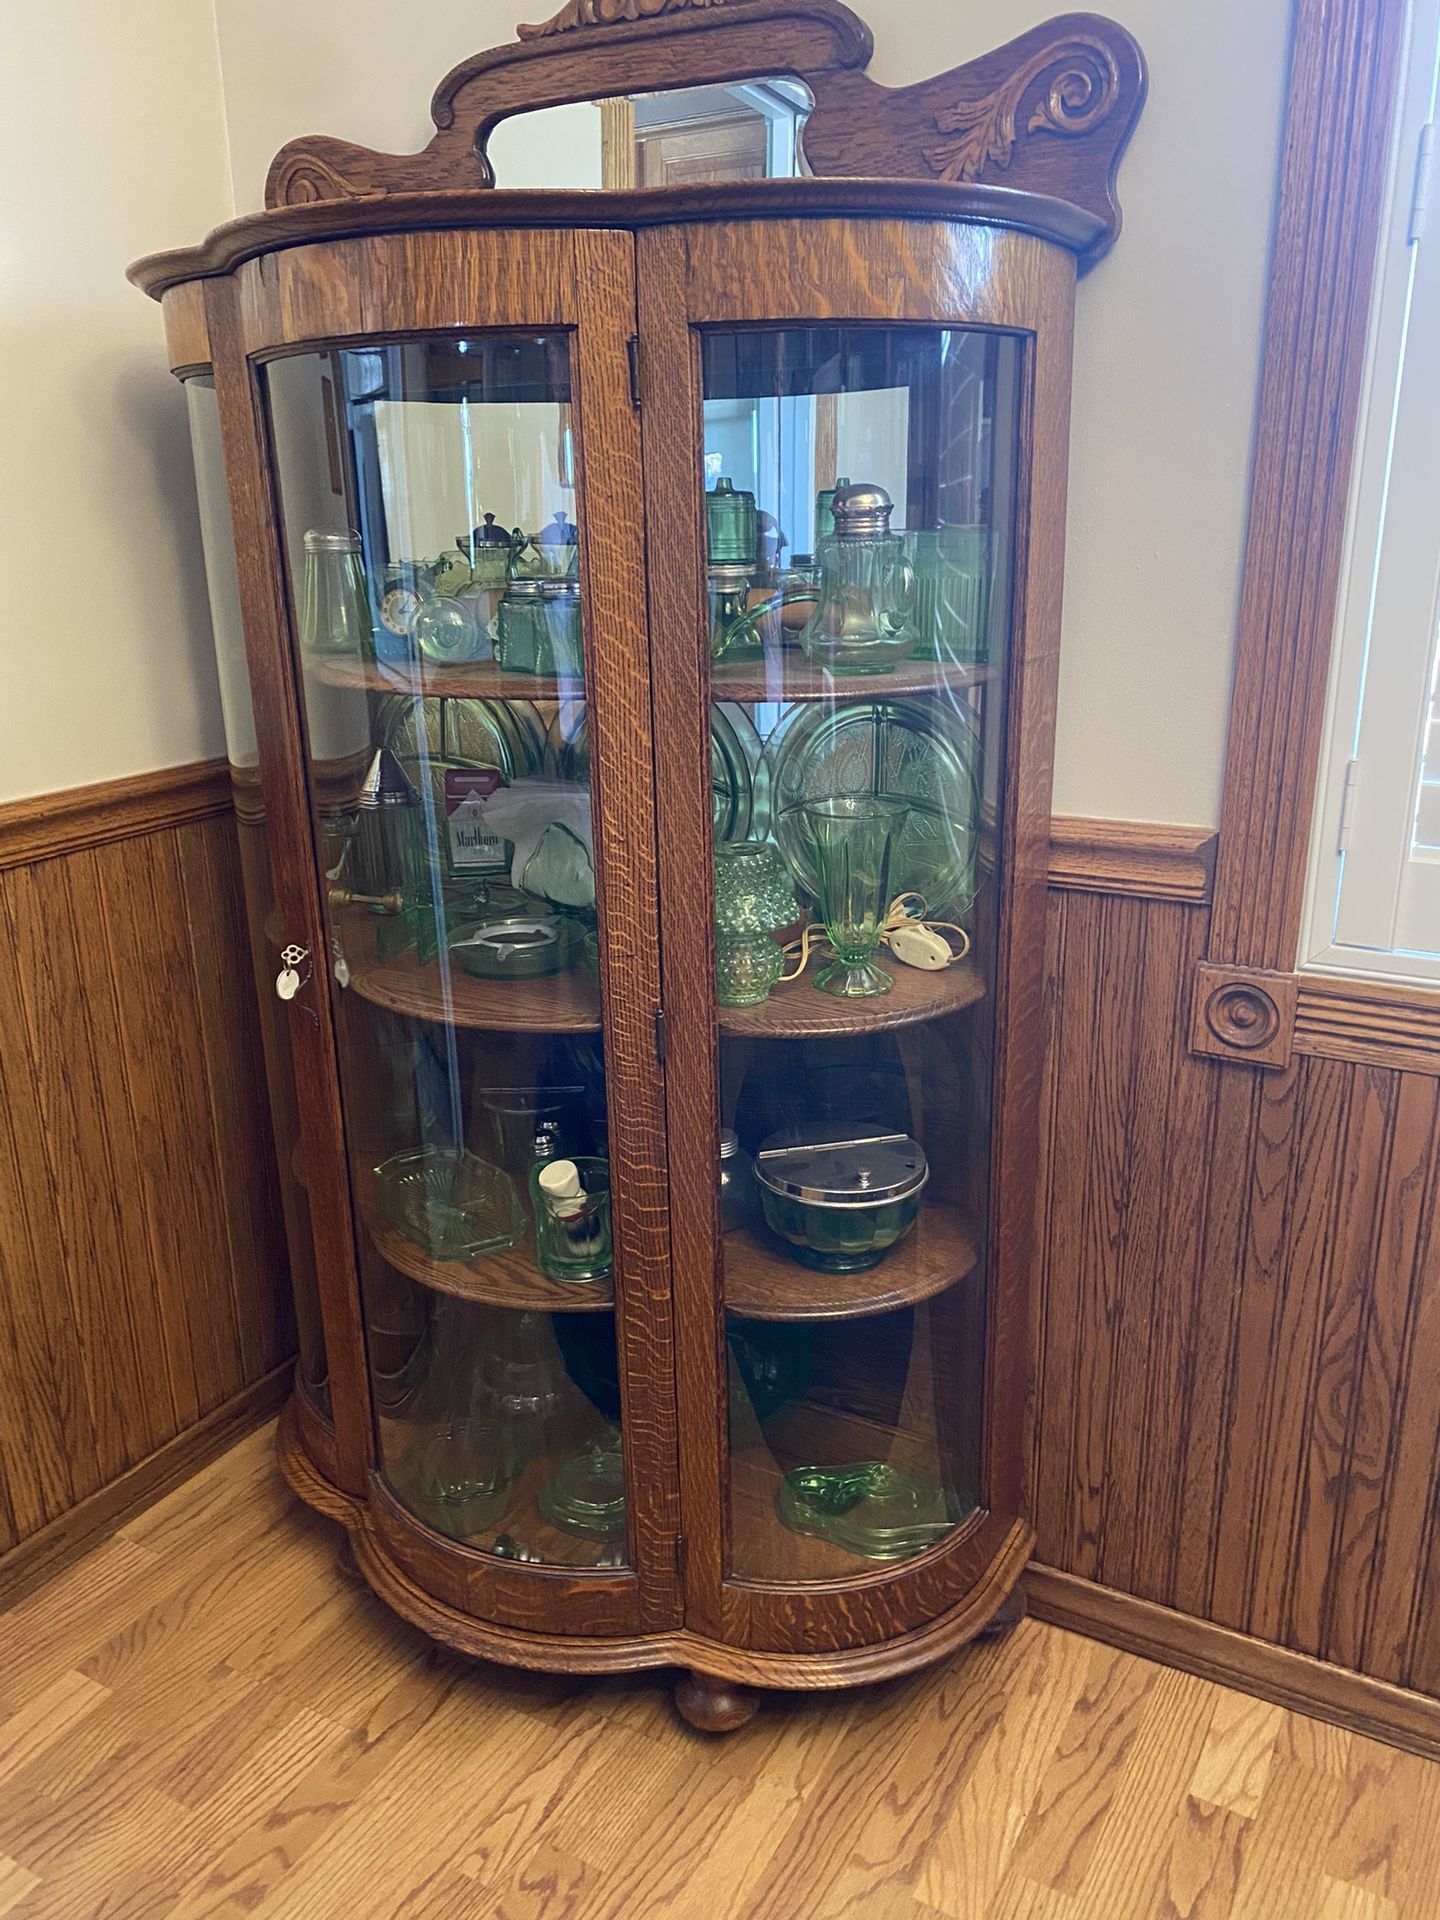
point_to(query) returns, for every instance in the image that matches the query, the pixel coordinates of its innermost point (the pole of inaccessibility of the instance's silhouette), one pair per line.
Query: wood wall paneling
(1235, 1411)
(142, 1265)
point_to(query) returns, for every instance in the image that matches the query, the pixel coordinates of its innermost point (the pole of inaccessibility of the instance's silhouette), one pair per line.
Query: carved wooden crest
(607, 13)
(1048, 114)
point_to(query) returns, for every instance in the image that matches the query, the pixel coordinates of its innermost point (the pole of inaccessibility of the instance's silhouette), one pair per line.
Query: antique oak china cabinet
(637, 610)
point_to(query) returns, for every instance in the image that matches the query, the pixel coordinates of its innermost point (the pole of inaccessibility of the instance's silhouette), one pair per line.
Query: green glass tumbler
(851, 839)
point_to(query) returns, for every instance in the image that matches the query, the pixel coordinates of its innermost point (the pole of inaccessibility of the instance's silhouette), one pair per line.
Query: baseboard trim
(1396, 1715)
(101, 1512)
(1138, 858)
(51, 824)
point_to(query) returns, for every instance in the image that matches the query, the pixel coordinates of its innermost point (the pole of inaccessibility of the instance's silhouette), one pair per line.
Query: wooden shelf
(800, 1011)
(763, 1281)
(567, 1002)
(477, 680)
(786, 675)
(509, 1279)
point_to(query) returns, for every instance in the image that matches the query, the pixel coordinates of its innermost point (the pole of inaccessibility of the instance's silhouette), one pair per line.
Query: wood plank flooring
(200, 1721)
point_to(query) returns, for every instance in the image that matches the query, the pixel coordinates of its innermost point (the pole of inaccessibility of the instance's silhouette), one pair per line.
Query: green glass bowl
(450, 1203)
(869, 1508)
(457, 1477)
(838, 1239)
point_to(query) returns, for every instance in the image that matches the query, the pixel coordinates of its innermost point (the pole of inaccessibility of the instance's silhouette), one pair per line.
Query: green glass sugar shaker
(334, 599)
(732, 525)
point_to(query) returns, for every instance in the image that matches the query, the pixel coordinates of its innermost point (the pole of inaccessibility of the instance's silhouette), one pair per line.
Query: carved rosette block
(1244, 1015)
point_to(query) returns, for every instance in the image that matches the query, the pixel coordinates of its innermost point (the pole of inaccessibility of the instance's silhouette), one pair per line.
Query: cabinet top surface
(1028, 136)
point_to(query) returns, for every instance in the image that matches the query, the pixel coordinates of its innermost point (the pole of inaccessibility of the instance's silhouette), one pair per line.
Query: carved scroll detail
(608, 13)
(305, 178)
(1084, 87)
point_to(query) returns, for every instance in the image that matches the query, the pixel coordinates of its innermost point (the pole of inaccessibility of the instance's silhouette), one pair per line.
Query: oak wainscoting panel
(1235, 1412)
(144, 1302)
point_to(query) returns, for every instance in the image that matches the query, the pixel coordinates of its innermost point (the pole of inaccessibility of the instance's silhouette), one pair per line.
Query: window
(1374, 893)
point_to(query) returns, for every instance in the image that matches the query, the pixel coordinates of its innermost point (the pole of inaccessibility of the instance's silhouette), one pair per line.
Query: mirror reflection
(750, 130)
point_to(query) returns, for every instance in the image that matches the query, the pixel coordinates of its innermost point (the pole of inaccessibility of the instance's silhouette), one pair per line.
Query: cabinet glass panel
(262, 923)
(860, 485)
(428, 498)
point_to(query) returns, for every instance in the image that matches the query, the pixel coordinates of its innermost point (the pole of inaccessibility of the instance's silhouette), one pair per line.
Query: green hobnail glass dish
(870, 1508)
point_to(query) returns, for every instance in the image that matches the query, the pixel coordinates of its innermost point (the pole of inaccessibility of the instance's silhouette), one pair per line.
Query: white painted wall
(1167, 350)
(97, 469)
(112, 143)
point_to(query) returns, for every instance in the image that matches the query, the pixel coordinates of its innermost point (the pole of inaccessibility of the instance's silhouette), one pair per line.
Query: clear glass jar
(334, 599)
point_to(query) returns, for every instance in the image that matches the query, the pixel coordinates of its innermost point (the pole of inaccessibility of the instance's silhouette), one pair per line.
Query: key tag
(920, 946)
(289, 980)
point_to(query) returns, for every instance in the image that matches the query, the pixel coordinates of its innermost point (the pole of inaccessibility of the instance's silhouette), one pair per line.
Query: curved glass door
(429, 504)
(859, 504)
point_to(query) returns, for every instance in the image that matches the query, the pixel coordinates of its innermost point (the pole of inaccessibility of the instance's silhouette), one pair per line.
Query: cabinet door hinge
(1347, 806)
(679, 1556)
(632, 347)
(660, 1035)
(1420, 198)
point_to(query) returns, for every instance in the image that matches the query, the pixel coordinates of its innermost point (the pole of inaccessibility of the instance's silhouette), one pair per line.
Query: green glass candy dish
(450, 1203)
(870, 1508)
(587, 1494)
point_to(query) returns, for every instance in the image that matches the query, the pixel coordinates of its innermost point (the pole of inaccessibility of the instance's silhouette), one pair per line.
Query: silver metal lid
(566, 589)
(320, 540)
(861, 510)
(730, 578)
(525, 589)
(386, 783)
(830, 1167)
(729, 1143)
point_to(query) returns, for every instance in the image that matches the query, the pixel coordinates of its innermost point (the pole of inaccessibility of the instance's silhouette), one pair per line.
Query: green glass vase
(851, 839)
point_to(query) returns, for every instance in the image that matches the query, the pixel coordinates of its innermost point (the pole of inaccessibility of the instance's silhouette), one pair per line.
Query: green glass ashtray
(870, 1508)
(587, 1494)
(450, 1203)
(520, 947)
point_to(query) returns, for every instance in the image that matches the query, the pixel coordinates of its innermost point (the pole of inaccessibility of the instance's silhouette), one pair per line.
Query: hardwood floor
(199, 1721)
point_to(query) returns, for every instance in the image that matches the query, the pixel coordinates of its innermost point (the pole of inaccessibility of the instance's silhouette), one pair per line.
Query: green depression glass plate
(507, 734)
(587, 1494)
(869, 1508)
(917, 751)
(739, 778)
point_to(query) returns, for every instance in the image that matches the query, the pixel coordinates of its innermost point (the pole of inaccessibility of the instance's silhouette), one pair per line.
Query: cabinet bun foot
(715, 1706)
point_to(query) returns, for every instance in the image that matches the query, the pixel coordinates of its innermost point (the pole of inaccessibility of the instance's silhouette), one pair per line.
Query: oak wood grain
(1332, 182)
